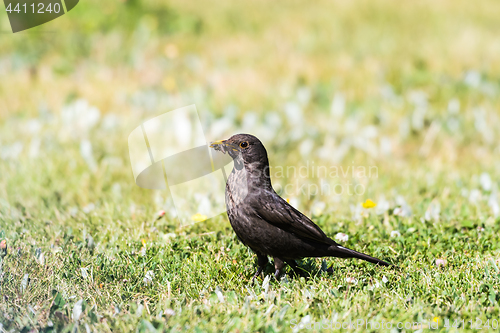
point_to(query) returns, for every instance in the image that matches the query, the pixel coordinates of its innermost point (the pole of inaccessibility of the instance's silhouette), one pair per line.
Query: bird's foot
(278, 265)
(261, 262)
(259, 270)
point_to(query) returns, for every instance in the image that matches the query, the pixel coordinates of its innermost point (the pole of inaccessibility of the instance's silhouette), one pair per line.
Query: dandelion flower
(369, 204)
(198, 217)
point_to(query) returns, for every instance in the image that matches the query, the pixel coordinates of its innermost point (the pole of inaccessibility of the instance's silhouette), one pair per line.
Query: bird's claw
(253, 280)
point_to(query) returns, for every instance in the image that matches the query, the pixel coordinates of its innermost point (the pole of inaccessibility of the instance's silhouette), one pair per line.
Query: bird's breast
(236, 188)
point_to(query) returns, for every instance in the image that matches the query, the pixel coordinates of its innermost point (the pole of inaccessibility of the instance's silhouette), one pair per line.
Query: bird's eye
(244, 145)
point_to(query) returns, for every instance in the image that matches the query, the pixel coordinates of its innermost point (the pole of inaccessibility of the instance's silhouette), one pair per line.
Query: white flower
(341, 237)
(294, 113)
(493, 203)
(87, 154)
(338, 105)
(318, 207)
(418, 98)
(250, 120)
(474, 196)
(395, 233)
(218, 292)
(472, 78)
(404, 209)
(303, 95)
(79, 117)
(87, 209)
(11, 152)
(440, 262)
(306, 147)
(384, 279)
(272, 121)
(398, 211)
(485, 181)
(385, 145)
(148, 278)
(454, 106)
(34, 149)
(220, 127)
(110, 121)
(351, 280)
(382, 206)
(433, 211)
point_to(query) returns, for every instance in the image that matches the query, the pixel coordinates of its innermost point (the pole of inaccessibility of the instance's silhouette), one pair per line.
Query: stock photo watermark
(26, 14)
(333, 324)
(170, 152)
(312, 179)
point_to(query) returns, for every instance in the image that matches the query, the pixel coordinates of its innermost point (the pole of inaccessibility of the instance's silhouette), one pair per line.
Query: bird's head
(243, 147)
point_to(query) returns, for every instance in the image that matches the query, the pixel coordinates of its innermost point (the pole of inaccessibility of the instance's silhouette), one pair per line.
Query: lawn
(409, 93)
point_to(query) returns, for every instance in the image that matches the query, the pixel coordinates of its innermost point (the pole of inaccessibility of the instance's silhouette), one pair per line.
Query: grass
(189, 268)
(411, 90)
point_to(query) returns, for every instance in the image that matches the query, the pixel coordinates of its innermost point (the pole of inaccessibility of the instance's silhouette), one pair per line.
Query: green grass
(189, 267)
(416, 88)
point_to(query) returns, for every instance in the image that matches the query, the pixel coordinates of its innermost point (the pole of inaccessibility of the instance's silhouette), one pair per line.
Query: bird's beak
(223, 146)
(217, 143)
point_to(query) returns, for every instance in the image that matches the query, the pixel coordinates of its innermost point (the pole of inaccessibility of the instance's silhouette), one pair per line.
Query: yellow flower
(169, 83)
(198, 217)
(436, 319)
(143, 241)
(369, 204)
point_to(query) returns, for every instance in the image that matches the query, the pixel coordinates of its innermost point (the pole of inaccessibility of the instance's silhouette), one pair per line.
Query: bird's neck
(246, 180)
(256, 173)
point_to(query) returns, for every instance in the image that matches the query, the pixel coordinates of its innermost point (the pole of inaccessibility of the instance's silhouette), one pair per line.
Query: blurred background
(411, 88)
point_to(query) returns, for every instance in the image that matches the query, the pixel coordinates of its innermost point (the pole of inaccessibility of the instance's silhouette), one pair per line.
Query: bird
(264, 221)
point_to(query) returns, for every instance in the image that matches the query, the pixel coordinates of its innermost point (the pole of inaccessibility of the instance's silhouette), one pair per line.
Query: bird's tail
(342, 252)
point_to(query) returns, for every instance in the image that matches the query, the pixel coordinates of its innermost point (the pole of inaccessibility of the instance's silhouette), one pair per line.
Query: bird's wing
(276, 211)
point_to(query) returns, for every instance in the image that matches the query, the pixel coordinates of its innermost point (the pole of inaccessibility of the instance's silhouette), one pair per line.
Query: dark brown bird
(265, 222)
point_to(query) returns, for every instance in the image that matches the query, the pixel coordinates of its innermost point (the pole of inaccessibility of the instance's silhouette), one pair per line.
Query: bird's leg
(296, 268)
(278, 265)
(261, 262)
